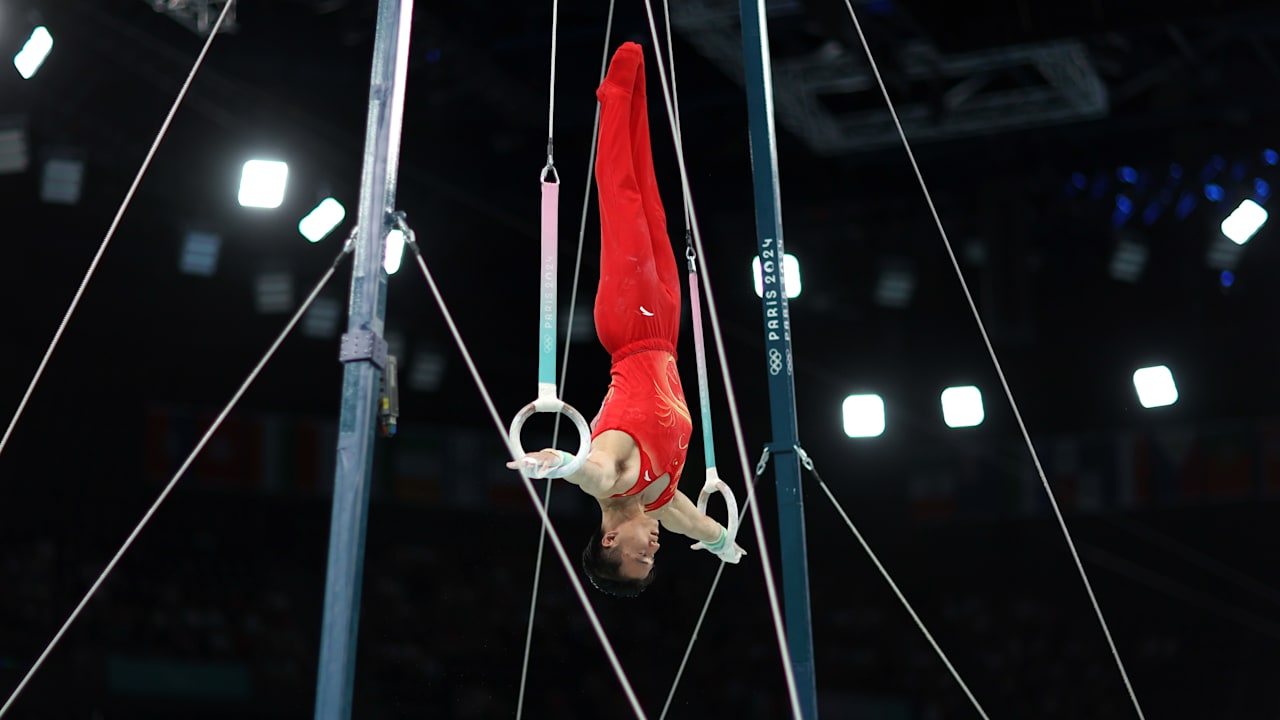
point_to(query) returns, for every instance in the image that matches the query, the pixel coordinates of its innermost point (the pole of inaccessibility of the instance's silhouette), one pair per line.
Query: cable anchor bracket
(363, 345)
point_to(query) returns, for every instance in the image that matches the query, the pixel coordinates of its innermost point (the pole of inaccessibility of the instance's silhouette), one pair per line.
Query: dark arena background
(1083, 158)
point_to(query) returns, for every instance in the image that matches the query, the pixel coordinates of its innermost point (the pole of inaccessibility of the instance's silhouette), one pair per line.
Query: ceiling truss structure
(198, 16)
(1053, 82)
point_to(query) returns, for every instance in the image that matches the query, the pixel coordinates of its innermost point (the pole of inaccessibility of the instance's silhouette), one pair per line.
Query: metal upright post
(777, 328)
(364, 353)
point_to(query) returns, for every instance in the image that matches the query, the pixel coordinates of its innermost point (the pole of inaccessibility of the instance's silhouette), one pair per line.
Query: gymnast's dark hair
(602, 567)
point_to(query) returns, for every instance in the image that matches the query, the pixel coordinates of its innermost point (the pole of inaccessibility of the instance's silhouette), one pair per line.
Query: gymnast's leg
(626, 254)
(642, 159)
(639, 294)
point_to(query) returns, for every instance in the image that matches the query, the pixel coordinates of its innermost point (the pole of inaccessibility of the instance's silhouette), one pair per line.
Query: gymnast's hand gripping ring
(553, 405)
(714, 485)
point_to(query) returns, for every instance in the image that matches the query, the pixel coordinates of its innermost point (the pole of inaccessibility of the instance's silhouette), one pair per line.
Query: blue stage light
(1212, 168)
(1270, 157)
(1175, 171)
(1227, 278)
(1213, 192)
(1186, 204)
(1127, 174)
(1079, 181)
(1261, 189)
(1124, 209)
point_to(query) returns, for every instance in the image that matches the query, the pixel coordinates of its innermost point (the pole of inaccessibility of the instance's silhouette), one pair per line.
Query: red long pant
(638, 300)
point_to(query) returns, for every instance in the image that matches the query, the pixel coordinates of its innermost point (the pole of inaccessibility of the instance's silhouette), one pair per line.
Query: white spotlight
(262, 183)
(790, 275)
(1155, 386)
(395, 252)
(863, 416)
(322, 220)
(1244, 222)
(962, 406)
(33, 52)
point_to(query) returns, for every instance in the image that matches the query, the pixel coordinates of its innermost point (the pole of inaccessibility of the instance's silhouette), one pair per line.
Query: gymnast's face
(637, 543)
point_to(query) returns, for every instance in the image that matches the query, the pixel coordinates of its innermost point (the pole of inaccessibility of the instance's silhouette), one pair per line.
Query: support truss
(983, 92)
(198, 16)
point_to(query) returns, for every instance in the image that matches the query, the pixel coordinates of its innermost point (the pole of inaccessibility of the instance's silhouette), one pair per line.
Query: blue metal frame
(777, 328)
(366, 315)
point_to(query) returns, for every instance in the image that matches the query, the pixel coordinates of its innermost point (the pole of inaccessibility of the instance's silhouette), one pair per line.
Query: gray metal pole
(364, 353)
(777, 329)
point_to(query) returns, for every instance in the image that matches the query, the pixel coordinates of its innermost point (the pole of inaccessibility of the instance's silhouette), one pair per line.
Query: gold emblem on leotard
(670, 397)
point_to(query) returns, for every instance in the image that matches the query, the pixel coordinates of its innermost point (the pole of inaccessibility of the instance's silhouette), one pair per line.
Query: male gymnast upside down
(641, 436)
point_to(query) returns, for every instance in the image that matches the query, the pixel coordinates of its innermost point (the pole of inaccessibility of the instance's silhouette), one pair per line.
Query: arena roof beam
(1056, 83)
(198, 16)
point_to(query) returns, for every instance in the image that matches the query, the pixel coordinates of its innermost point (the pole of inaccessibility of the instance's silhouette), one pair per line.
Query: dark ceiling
(1183, 82)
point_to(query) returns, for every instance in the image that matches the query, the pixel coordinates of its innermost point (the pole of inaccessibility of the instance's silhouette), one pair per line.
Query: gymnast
(641, 435)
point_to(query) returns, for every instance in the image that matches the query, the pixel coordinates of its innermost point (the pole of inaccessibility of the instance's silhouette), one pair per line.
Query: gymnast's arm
(611, 452)
(682, 516)
(599, 474)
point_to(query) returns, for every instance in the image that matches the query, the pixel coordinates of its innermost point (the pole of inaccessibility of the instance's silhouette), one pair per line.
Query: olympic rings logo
(775, 361)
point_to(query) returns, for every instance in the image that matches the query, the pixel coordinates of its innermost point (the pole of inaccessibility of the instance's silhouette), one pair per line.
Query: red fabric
(637, 310)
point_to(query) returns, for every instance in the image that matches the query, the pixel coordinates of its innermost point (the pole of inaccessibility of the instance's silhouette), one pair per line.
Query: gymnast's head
(620, 561)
